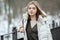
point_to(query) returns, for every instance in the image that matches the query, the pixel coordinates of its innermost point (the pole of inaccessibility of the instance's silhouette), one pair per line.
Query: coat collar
(25, 17)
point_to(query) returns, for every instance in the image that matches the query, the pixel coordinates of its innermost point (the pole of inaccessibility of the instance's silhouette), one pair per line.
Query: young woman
(34, 24)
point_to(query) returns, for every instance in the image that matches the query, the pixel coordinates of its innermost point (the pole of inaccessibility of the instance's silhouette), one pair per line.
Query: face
(32, 9)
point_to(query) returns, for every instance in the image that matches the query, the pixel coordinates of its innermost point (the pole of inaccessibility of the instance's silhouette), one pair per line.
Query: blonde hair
(38, 7)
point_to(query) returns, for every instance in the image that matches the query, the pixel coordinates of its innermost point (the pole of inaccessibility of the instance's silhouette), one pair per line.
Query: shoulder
(43, 18)
(25, 16)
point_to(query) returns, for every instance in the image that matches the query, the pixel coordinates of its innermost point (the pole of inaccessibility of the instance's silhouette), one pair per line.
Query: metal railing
(14, 34)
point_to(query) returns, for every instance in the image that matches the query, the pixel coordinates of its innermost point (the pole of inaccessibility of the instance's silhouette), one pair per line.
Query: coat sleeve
(20, 25)
(44, 32)
(49, 34)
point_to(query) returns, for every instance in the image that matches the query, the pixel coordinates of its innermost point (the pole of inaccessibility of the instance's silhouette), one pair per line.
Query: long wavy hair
(39, 11)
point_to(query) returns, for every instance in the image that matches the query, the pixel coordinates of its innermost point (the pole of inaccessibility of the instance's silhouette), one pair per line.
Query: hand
(22, 30)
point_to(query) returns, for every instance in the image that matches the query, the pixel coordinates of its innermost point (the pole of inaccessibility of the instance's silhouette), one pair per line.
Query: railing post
(2, 37)
(53, 23)
(14, 34)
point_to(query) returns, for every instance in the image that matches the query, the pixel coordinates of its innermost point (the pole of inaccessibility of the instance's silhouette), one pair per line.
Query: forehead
(31, 5)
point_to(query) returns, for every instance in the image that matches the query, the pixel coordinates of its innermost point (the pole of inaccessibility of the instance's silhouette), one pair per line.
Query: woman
(34, 24)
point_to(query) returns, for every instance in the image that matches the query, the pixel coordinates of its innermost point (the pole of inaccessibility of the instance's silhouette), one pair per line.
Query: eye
(34, 8)
(29, 8)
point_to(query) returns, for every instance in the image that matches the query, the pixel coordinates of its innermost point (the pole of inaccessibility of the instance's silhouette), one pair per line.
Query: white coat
(43, 29)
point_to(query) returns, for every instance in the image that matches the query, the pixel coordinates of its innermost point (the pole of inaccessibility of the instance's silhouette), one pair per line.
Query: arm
(49, 34)
(20, 27)
(45, 33)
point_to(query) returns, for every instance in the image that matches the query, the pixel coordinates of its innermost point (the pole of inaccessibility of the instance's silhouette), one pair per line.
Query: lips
(31, 12)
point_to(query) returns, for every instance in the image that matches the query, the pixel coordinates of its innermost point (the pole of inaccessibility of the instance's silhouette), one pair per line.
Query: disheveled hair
(39, 10)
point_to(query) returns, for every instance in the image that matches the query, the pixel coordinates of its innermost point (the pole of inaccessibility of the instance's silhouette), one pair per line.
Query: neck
(33, 17)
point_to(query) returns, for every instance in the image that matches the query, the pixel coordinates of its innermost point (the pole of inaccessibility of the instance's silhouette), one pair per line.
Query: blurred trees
(15, 8)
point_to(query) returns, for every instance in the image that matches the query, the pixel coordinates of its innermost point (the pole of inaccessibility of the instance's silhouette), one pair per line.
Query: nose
(31, 9)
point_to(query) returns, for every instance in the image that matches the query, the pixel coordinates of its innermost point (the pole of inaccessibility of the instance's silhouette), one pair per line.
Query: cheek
(28, 11)
(35, 11)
